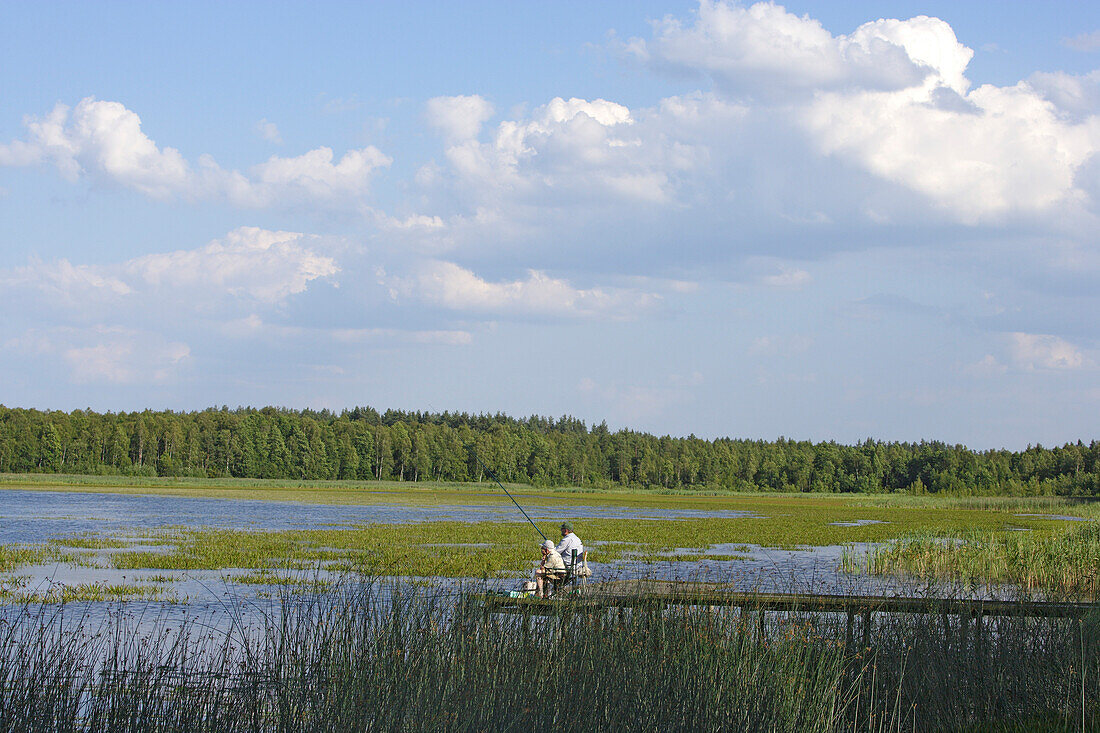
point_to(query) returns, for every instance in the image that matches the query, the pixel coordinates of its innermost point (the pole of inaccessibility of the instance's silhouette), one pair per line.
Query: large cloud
(807, 142)
(105, 140)
(893, 99)
(267, 266)
(992, 154)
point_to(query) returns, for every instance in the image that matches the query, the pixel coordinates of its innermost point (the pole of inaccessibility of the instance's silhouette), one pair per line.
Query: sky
(818, 220)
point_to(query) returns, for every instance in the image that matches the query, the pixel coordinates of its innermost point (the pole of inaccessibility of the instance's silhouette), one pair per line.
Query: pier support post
(866, 629)
(848, 636)
(964, 629)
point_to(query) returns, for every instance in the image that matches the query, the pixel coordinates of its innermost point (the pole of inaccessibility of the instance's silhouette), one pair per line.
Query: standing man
(569, 542)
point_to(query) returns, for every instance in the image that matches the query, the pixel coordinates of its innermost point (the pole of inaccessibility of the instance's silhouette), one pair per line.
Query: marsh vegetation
(969, 540)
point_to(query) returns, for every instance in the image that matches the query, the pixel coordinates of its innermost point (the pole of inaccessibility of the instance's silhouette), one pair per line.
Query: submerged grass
(16, 592)
(487, 549)
(89, 542)
(373, 657)
(93, 593)
(15, 556)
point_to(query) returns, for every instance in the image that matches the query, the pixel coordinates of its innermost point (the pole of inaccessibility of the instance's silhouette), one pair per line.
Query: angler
(564, 563)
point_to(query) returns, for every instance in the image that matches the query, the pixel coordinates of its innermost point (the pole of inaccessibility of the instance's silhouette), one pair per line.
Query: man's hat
(566, 527)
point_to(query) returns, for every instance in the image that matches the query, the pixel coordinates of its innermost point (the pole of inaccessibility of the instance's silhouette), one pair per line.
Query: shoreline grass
(487, 493)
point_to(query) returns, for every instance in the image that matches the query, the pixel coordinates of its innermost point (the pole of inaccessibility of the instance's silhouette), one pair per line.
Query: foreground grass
(368, 658)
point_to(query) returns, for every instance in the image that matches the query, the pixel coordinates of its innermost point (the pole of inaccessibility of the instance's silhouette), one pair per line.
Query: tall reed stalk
(375, 657)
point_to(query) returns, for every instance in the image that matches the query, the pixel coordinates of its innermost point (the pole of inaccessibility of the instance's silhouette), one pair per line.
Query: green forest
(364, 444)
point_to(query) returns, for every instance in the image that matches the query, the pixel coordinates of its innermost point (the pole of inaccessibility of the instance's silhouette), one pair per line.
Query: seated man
(551, 568)
(569, 542)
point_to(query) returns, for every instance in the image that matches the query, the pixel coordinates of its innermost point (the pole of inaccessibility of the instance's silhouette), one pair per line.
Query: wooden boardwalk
(595, 597)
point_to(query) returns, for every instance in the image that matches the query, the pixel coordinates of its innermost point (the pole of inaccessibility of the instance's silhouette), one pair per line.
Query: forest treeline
(364, 444)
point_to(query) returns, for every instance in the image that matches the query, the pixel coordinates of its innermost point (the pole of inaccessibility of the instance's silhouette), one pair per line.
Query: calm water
(36, 516)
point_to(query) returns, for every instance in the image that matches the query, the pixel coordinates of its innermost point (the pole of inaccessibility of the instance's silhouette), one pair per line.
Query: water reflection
(36, 516)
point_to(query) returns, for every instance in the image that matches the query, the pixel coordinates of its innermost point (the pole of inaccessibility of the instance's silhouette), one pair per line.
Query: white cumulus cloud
(999, 151)
(764, 50)
(265, 265)
(1089, 41)
(269, 131)
(566, 153)
(105, 140)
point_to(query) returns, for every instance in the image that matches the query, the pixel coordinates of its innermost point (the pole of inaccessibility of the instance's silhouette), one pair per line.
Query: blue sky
(818, 220)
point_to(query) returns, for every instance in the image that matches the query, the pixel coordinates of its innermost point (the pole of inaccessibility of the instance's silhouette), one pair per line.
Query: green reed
(374, 657)
(1060, 563)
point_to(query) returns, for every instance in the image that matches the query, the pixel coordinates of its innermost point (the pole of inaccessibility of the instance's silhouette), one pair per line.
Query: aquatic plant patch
(89, 542)
(1060, 562)
(87, 592)
(485, 549)
(15, 556)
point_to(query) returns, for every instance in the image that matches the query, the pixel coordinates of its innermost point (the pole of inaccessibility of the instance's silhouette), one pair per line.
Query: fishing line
(493, 476)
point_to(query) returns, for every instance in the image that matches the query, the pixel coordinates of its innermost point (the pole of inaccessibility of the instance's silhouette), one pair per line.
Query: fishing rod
(493, 476)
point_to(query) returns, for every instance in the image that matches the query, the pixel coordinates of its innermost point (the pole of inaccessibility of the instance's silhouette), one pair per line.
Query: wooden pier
(596, 597)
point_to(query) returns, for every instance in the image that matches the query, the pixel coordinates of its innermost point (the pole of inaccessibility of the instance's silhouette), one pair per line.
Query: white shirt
(569, 543)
